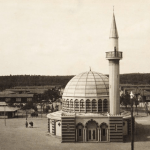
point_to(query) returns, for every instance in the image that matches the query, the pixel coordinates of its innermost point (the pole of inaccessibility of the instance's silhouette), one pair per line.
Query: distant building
(24, 94)
(17, 98)
(6, 111)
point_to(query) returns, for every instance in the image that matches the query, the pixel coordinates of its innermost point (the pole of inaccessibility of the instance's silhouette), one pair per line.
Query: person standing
(26, 124)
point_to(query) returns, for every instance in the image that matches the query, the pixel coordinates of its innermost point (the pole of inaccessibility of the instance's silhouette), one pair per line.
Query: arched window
(76, 103)
(82, 106)
(67, 103)
(94, 106)
(63, 104)
(105, 105)
(71, 105)
(99, 105)
(88, 105)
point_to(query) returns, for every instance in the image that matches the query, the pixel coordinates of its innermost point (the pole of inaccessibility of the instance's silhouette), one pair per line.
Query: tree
(51, 94)
(125, 99)
(28, 105)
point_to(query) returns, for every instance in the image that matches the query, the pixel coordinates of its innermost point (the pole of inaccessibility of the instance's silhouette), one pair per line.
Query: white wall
(2, 117)
(50, 126)
(58, 128)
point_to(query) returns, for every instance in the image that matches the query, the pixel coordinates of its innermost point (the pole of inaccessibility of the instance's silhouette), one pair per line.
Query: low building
(6, 111)
(16, 98)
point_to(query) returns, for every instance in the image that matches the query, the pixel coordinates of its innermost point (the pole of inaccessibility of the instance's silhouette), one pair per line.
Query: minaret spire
(113, 30)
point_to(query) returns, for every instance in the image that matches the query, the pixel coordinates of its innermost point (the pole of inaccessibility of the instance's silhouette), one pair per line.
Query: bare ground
(15, 136)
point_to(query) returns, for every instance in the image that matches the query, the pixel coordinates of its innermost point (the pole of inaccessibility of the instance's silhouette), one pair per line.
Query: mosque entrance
(92, 135)
(92, 131)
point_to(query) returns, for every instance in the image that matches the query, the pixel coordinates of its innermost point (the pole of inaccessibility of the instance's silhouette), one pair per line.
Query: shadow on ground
(142, 134)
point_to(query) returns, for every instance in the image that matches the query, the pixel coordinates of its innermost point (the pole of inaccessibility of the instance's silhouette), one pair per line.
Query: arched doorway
(79, 133)
(92, 130)
(104, 130)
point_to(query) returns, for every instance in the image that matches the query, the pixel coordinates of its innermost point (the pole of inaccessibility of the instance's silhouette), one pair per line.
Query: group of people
(30, 124)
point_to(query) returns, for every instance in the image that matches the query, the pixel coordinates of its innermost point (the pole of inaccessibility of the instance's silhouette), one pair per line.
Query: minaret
(113, 57)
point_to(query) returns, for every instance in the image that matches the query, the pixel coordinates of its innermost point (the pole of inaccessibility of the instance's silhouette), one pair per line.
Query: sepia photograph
(75, 74)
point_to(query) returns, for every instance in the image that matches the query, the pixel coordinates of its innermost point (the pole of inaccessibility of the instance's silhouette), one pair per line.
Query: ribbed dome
(87, 85)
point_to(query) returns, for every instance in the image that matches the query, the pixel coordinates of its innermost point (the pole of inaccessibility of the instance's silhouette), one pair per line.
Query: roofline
(85, 96)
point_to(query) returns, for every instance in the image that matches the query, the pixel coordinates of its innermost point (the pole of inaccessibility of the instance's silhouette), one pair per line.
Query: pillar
(73, 106)
(100, 135)
(107, 134)
(97, 105)
(79, 105)
(102, 105)
(85, 134)
(84, 105)
(91, 106)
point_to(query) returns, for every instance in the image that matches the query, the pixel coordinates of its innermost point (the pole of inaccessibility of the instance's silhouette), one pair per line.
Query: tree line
(32, 80)
(39, 80)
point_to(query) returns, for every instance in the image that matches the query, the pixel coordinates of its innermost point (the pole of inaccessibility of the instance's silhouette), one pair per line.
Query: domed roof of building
(87, 85)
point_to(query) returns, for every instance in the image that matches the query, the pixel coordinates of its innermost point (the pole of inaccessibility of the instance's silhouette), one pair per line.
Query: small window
(88, 105)
(76, 103)
(18, 99)
(29, 99)
(71, 104)
(79, 132)
(103, 132)
(82, 103)
(67, 104)
(7, 99)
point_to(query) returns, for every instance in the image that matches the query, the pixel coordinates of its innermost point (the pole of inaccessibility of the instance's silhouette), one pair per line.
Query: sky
(66, 37)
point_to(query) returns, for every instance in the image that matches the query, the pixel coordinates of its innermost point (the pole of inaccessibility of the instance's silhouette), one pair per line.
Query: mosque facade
(91, 104)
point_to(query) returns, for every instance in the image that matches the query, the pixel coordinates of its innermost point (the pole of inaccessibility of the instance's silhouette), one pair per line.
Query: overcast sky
(65, 37)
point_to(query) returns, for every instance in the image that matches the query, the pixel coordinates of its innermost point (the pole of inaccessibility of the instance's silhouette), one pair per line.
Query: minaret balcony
(114, 55)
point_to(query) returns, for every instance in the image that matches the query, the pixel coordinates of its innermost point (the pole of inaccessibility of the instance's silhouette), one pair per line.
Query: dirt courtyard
(15, 136)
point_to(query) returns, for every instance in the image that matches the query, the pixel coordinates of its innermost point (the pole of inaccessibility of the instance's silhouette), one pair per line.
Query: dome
(87, 85)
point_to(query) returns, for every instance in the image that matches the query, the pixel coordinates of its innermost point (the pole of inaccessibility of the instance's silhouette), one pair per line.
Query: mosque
(91, 104)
